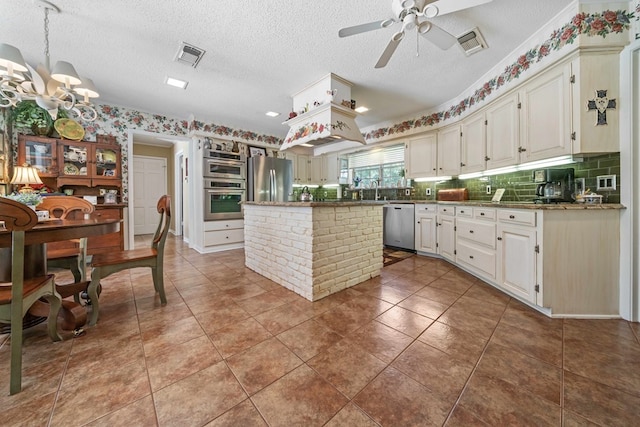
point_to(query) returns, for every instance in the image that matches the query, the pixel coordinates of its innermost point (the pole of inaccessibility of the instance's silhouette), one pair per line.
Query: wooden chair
(19, 295)
(105, 264)
(74, 256)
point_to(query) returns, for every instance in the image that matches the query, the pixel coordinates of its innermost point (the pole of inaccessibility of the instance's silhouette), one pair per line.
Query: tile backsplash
(519, 185)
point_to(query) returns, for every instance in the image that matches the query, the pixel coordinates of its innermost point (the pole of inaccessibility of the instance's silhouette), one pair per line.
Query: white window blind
(377, 156)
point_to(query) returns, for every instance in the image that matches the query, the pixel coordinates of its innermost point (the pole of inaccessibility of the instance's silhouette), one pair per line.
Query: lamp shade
(65, 73)
(25, 175)
(11, 58)
(87, 88)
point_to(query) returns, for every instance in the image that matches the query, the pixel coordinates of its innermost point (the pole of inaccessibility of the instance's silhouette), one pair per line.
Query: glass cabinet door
(38, 152)
(75, 160)
(107, 161)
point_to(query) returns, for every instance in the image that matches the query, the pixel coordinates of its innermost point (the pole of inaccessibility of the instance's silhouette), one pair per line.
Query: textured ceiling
(260, 53)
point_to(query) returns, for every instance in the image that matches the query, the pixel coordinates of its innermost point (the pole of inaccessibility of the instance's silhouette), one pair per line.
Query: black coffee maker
(554, 185)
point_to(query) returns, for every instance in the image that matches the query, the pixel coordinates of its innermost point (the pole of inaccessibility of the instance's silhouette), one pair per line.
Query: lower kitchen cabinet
(223, 235)
(446, 232)
(476, 243)
(516, 254)
(426, 228)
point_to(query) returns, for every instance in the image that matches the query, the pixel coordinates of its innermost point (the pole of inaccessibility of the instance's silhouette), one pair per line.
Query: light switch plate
(407, 192)
(428, 191)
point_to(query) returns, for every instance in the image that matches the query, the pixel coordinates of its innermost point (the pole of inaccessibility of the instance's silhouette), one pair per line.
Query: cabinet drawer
(521, 217)
(464, 211)
(483, 233)
(447, 210)
(223, 237)
(479, 258)
(106, 214)
(426, 209)
(484, 213)
(223, 225)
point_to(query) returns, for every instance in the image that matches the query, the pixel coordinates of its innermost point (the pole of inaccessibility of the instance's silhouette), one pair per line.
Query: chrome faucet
(377, 183)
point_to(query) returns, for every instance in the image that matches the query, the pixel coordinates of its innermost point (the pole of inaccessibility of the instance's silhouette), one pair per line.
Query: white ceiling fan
(414, 14)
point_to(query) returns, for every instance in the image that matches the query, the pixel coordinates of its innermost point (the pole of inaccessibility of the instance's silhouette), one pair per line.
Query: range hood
(322, 124)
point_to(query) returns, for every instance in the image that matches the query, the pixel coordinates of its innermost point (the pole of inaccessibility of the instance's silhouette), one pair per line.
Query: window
(383, 165)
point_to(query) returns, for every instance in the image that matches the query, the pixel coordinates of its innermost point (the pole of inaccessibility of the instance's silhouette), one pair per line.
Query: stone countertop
(507, 205)
(327, 204)
(522, 205)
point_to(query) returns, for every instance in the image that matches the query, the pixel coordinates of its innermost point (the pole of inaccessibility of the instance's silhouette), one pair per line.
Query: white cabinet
(545, 125)
(502, 132)
(224, 235)
(516, 252)
(302, 170)
(446, 232)
(449, 151)
(476, 241)
(421, 156)
(324, 169)
(473, 151)
(425, 228)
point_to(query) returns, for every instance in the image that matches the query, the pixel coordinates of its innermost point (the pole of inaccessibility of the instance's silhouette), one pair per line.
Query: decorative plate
(71, 169)
(69, 129)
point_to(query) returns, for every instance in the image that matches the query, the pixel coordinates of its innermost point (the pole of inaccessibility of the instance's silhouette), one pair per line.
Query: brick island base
(314, 249)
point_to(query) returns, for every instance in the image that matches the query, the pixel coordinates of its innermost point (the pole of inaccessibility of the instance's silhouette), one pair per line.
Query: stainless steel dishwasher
(398, 225)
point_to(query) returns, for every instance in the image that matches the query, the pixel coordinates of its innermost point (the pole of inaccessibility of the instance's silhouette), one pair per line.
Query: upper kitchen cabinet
(596, 92)
(449, 150)
(39, 152)
(502, 132)
(324, 169)
(474, 144)
(545, 126)
(302, 170)
(89, 164)
(421, 156)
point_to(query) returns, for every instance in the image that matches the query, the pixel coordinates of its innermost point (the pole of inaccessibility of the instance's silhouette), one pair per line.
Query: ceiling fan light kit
(50, 90)
(415, 14)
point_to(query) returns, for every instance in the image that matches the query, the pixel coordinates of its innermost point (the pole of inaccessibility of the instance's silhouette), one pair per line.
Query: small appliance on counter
(554, 185)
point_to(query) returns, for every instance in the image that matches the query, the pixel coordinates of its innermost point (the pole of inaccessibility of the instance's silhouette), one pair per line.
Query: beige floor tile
(245, 414)
(405, 321)
(308, 339)
(140, 412)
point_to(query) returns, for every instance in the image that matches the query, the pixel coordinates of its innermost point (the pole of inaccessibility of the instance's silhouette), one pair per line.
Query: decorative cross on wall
(602, 104)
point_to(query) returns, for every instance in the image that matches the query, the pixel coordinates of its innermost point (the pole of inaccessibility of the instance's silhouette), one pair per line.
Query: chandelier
(51, 89)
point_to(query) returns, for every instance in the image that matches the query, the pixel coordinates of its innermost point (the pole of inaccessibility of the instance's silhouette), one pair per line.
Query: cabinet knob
(471, 256)
(462, 164)
(481, 213)
(440, 168)
(499, 238)
(512, 217)
(461, 212)
(418, 222)
(487, 158)
(471, 231)
(434, 168)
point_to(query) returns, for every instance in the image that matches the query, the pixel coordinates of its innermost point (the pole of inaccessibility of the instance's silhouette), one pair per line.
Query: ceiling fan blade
(363, 28)
(442, 7)
(437, 35)
(390, 49)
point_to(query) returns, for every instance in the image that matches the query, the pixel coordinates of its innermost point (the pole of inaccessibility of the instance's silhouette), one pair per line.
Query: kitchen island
(314, 248)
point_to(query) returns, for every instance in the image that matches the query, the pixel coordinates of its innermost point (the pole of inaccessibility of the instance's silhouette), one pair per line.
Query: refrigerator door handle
(274, 189)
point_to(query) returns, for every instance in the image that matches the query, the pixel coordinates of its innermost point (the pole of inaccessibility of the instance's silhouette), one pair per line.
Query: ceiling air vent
(189, 54)
(472, 42)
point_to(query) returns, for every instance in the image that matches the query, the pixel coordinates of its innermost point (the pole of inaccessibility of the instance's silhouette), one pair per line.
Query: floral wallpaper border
(593, 25)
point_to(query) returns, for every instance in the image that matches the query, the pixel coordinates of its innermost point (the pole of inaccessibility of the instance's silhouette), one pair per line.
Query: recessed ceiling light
(272, 114)
(176, 83)
(361, 109)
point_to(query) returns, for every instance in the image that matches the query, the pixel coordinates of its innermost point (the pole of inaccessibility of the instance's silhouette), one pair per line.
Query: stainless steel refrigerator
(269, 179)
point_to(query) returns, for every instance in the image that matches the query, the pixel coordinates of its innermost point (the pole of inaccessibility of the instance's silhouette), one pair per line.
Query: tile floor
(423, 344)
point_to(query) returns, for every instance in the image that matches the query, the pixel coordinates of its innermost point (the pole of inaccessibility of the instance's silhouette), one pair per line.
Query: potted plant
(30, 199)
(28, 115)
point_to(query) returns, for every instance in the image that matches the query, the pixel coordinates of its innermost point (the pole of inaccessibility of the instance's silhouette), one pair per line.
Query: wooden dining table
(52, 230)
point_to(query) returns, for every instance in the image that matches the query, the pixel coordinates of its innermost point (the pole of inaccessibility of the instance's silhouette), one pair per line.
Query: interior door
(150, 181)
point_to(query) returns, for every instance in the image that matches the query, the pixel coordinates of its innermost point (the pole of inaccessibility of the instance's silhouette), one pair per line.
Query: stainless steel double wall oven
(225, 176)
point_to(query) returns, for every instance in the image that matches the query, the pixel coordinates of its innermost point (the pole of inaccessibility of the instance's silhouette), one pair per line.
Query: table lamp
(26, 175)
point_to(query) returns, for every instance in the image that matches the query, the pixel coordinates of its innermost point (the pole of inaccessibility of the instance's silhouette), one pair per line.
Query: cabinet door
(316, 170)
(39, 152)
(449, 151)
(77, 166)
(105, 165)
(545, 130)
(421, 156)
(426, 233)
(502, 132)
(446, 235)
(330, 168)
(474, 144)
(517, 261)
(302, 168)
